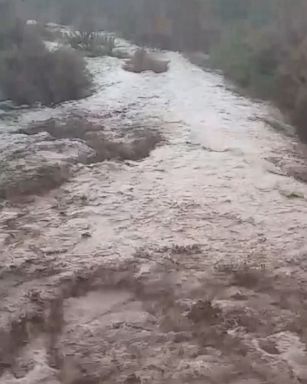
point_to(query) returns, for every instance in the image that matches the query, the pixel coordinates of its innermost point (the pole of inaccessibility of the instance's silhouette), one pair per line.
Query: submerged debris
(135, 147)
(45, 158)
(142, 61)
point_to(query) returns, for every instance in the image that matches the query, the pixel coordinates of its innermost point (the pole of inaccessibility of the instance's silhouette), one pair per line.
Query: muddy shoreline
(186, 264)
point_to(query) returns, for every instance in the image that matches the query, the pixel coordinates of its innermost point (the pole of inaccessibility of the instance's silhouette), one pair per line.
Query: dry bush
(80, 39)
(92, 43)
(120, 53)
(42, 31)
(30, 73)
(141, 61)
(69, 78)
(108, 42)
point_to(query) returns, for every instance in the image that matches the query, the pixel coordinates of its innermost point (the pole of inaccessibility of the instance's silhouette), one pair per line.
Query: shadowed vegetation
(260, 45)
(30, 72)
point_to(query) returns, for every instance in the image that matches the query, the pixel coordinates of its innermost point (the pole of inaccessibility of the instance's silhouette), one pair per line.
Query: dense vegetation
(259, 44)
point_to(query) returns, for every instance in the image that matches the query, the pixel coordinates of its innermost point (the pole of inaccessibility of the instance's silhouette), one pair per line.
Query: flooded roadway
(218, 194)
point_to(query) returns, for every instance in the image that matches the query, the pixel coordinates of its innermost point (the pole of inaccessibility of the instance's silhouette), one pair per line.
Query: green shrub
(234, 56)
(299, 113)
(292, 86)
(249, 58)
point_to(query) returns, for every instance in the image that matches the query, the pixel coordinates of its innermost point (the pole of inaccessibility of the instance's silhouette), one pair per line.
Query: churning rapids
(185, 267)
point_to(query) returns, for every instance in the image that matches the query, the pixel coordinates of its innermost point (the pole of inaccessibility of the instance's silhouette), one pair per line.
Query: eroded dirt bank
(187, 266)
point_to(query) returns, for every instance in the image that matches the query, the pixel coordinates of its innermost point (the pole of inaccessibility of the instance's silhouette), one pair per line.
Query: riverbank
(187, 265)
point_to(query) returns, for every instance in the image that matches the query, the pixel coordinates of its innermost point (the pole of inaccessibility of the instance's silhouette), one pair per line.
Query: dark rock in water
(86, 235)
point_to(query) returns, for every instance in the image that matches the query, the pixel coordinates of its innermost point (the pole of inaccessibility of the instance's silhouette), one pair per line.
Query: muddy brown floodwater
(188, 266)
